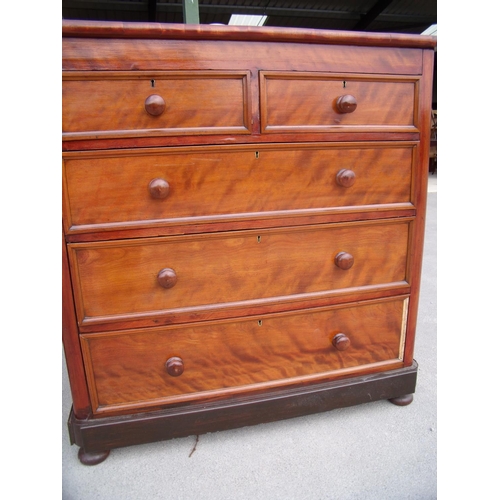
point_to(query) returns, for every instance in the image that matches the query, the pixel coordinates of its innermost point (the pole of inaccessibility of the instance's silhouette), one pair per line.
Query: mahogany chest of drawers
(243, 216)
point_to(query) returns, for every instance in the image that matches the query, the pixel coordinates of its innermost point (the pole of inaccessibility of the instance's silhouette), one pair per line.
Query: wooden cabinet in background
(243, 219)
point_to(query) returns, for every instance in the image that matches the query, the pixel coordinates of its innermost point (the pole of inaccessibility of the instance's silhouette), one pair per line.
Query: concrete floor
(373, 451)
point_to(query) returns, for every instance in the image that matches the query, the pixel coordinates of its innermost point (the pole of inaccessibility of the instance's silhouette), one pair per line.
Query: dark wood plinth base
(92, 457)
(97, 436)
(402, 400)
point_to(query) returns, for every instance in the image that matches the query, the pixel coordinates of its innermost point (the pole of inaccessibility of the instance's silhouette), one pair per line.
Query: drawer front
(309, 102)
(132, 104)
(124, 279)
(140, 367)
(144, 188)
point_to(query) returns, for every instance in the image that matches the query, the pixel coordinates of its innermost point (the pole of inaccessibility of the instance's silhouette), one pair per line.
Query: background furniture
(433, 143)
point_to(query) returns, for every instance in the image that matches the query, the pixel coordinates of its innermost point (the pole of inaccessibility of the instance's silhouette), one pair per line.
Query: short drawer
(172, 364)
(138, 104)
(319, 102)
(131, 189)
(130, 279)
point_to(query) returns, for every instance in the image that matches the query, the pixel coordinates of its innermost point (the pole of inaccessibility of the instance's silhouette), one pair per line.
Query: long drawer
(326, 102)
(127, 279)
(166, 365)
(137, 104)
(137, 189)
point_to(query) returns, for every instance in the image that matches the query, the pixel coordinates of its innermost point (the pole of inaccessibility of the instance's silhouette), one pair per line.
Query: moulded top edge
(114, 29)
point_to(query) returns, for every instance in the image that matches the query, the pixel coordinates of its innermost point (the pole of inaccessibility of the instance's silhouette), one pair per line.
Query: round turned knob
(341, 342)
(174, 366)
(346, 178)
(344, 260)
(167, 278)
(155, 105)
(159, 189)
(346, 103)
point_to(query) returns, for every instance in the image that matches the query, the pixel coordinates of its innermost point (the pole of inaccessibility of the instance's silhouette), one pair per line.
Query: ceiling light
(241, 20)
(431, 30)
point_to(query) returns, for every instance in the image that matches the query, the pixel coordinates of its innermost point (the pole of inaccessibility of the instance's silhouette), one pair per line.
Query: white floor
(432, 187)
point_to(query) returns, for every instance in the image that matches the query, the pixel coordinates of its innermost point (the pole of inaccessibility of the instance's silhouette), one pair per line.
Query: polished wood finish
(174, 366)
(153, 31)
(126, 368)
(345, 177)
(71, 343)
(121, 278)
(167, 278)
(159, 189)
(420, 193)
(198, 418)
(92, 457)
(404, 400)
(346, 104)
(108, 190)
(344, 260)
(154, 104)
(131, 104)
(383, 103)
(153, 140)
(242, 231)
(341, 342)
(121, 54)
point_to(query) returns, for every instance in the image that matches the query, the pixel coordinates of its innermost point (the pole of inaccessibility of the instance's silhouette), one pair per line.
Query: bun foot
(402, 400)
(92, 457)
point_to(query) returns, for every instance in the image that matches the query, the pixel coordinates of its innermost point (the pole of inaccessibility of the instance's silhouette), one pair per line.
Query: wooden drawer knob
(344, 260)
(346, 178)
(159, 189)
(155, 105)
(346, 103)
(174, 366)
(167, 278)
(341, 341)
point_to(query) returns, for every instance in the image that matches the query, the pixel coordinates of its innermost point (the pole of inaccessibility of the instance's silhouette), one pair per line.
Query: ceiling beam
(227, 9)
(371, 15)
(152, 11)
(209, 9)
(104, 5)
(278, 11)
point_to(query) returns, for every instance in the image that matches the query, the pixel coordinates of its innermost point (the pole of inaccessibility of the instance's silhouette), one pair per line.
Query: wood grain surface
(306, 102)
(81, 54)
(109, 190)
(230, 231)
(112, 279)
(129, 367)
(142, 30)
(107, 104)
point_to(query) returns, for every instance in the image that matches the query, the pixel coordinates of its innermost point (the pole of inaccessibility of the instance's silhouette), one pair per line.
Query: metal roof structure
(385, 16)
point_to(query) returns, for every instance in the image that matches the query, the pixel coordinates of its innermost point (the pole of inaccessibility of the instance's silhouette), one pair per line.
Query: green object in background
(191, 11)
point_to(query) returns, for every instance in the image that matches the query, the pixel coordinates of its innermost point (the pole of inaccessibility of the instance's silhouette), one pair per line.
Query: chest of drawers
(243, 216)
